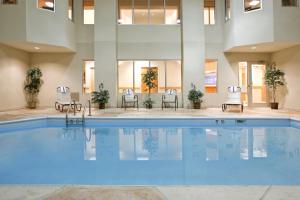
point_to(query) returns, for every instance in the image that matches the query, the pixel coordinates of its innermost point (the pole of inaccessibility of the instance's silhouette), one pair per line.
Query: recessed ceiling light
(37, 48)
(254, 47)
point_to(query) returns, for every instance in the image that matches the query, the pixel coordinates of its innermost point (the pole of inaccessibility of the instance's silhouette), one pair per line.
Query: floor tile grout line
(265, 193)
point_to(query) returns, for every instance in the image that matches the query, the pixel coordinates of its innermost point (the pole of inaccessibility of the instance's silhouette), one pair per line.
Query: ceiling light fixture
(37, 48)
(254, 2)
(49, 4)
(254, 47)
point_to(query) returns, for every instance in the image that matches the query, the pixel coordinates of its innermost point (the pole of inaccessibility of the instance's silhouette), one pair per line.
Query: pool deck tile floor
(69, 192)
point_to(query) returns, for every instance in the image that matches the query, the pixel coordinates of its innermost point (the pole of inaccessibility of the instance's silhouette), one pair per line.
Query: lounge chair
(65, 99)
(234, 98)
(129, 97)
(170, 97)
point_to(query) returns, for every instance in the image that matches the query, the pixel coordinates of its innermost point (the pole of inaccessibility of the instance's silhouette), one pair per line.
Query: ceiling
(38, 48)
(262, 47)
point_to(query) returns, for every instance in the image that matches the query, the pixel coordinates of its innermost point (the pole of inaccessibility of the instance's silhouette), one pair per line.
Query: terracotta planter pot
(274, 106)
(197, 105)
(32, 105)
(101, 105)
(148, 106)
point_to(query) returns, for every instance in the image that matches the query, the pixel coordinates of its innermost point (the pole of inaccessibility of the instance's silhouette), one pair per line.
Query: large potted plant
(149, 79)
(274, 78)
(100, 97)
(32, 86)
(195, 97)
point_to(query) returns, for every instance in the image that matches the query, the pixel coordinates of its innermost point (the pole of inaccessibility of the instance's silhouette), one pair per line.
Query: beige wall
(13, 66)
(288, 61)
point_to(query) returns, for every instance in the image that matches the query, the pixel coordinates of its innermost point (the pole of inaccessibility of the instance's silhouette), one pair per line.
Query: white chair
(234, 98)
(170, 97)
(129, 97)
(64, 98)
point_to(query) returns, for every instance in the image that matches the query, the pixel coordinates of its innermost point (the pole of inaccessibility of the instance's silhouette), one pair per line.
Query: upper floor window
(149, 11)
(46, 4)
(227, 10)
(9, 2)
(250, 5)
(209, 12)
(71, 10)
(292, 3)
(88, 12)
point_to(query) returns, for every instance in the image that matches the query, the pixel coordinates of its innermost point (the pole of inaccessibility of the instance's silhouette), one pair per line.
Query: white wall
(13, 66)
(249, 28)
(13, 29)
(105, 47)
(193, 46)
(49, 27)
(288, 61)
(286, 23)
(149, 42)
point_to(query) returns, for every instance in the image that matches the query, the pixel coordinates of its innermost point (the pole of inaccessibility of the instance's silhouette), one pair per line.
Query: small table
(225, 105)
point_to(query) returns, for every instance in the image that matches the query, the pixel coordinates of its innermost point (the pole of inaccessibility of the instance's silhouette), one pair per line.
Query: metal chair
(129, 97)
(170, 97)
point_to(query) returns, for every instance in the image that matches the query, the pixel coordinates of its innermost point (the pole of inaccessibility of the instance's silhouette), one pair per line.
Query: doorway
(252, 83)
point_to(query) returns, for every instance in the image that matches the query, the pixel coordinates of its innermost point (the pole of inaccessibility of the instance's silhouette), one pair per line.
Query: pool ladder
(74, 120)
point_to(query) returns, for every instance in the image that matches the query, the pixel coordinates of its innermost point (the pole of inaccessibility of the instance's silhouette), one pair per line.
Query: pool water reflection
(151, 156)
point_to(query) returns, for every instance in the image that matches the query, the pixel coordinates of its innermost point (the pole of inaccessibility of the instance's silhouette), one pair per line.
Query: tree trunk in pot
(274, 106)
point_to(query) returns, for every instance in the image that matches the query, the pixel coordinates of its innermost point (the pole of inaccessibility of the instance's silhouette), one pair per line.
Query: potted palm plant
(195, 97)
(149, 79)
(100, 97)
(274, 78)
(32, 86)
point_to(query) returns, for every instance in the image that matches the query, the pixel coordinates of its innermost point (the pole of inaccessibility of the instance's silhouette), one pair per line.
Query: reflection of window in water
(259, 143)
(212, 149)
(244, 152)
(150, 144)
(89, 144)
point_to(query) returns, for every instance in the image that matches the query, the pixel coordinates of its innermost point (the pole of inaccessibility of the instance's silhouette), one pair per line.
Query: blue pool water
(151, 152)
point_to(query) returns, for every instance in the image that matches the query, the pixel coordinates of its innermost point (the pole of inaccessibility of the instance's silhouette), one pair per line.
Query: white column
(105, 47)
(193, 41)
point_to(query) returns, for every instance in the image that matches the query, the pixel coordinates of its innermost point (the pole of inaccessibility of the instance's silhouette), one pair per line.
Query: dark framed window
(250, 5)
(71, 10)
(9, 1)
(290, 3)
(227, 10)
(47, 4)
(209, 12)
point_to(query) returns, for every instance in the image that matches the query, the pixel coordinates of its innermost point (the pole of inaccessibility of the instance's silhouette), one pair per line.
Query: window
(227, 10)
(88, 76)
(125, 12)
(71, 10)
(209, 12)
(46, 4)
(88, 12)
(141, 12)
(172, 11)
(211, 68)
(250, 5)
(131, 72)
(149, 11)
(292, 3)
(157, 12)
(9, 2)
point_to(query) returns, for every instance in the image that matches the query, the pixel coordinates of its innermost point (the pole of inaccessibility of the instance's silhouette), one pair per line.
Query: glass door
(252, 83)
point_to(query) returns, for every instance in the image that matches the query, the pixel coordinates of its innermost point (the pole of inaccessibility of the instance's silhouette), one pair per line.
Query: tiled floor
(32, 192)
